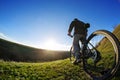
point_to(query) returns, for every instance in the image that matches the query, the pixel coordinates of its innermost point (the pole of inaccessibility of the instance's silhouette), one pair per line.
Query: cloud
(3, 36)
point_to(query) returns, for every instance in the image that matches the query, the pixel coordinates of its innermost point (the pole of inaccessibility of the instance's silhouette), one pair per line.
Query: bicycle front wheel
(72, 55)
(107, 45)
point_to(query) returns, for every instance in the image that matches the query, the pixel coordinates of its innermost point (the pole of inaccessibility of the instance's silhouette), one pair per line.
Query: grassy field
(56, 70)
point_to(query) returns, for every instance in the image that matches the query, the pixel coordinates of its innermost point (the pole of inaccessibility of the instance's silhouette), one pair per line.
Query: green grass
(56, 70)
(117, 32)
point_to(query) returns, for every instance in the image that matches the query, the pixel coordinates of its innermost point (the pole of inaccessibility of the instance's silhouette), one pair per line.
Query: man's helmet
(75, 19)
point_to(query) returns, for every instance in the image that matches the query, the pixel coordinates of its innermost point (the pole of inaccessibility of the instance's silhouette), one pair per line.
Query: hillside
(17, 52)
(117, 32)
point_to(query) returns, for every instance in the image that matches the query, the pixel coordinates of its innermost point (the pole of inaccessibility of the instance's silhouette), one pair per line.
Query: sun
(51, 44)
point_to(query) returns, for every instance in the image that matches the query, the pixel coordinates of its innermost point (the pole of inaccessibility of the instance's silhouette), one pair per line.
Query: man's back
(79, 27)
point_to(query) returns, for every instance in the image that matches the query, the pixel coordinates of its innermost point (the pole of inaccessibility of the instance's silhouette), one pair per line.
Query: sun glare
(51, 44)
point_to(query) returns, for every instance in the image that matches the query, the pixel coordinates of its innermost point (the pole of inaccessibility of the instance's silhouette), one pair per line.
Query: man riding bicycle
(80, 34)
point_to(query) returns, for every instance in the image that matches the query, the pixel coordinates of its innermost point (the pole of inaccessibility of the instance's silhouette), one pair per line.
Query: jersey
(79, 27)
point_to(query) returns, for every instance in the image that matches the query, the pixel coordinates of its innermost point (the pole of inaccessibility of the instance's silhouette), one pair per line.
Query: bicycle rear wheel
(107, 45)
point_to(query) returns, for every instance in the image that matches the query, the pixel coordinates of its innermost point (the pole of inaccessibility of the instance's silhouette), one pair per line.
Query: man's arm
(70, 28)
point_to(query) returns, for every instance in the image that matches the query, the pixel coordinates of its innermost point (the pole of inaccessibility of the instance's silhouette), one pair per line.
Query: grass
(56, 70)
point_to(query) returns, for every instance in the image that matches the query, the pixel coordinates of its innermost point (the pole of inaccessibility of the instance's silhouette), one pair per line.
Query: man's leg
(76, 47)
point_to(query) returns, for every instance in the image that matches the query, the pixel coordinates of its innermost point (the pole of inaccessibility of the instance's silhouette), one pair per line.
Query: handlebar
(70, 36)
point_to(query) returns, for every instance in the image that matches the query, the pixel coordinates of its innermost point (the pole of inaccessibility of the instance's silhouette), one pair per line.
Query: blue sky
(38, 22)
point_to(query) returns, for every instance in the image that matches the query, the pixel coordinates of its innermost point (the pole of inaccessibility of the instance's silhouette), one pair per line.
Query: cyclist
(80, 34)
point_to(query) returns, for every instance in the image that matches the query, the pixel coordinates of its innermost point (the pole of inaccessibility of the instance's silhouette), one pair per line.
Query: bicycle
(100, 55)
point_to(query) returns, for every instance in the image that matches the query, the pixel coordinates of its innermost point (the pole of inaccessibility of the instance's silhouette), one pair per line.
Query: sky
(45, 23)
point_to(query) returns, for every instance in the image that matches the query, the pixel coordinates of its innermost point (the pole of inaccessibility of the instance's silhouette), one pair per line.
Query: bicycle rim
(108, 46)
